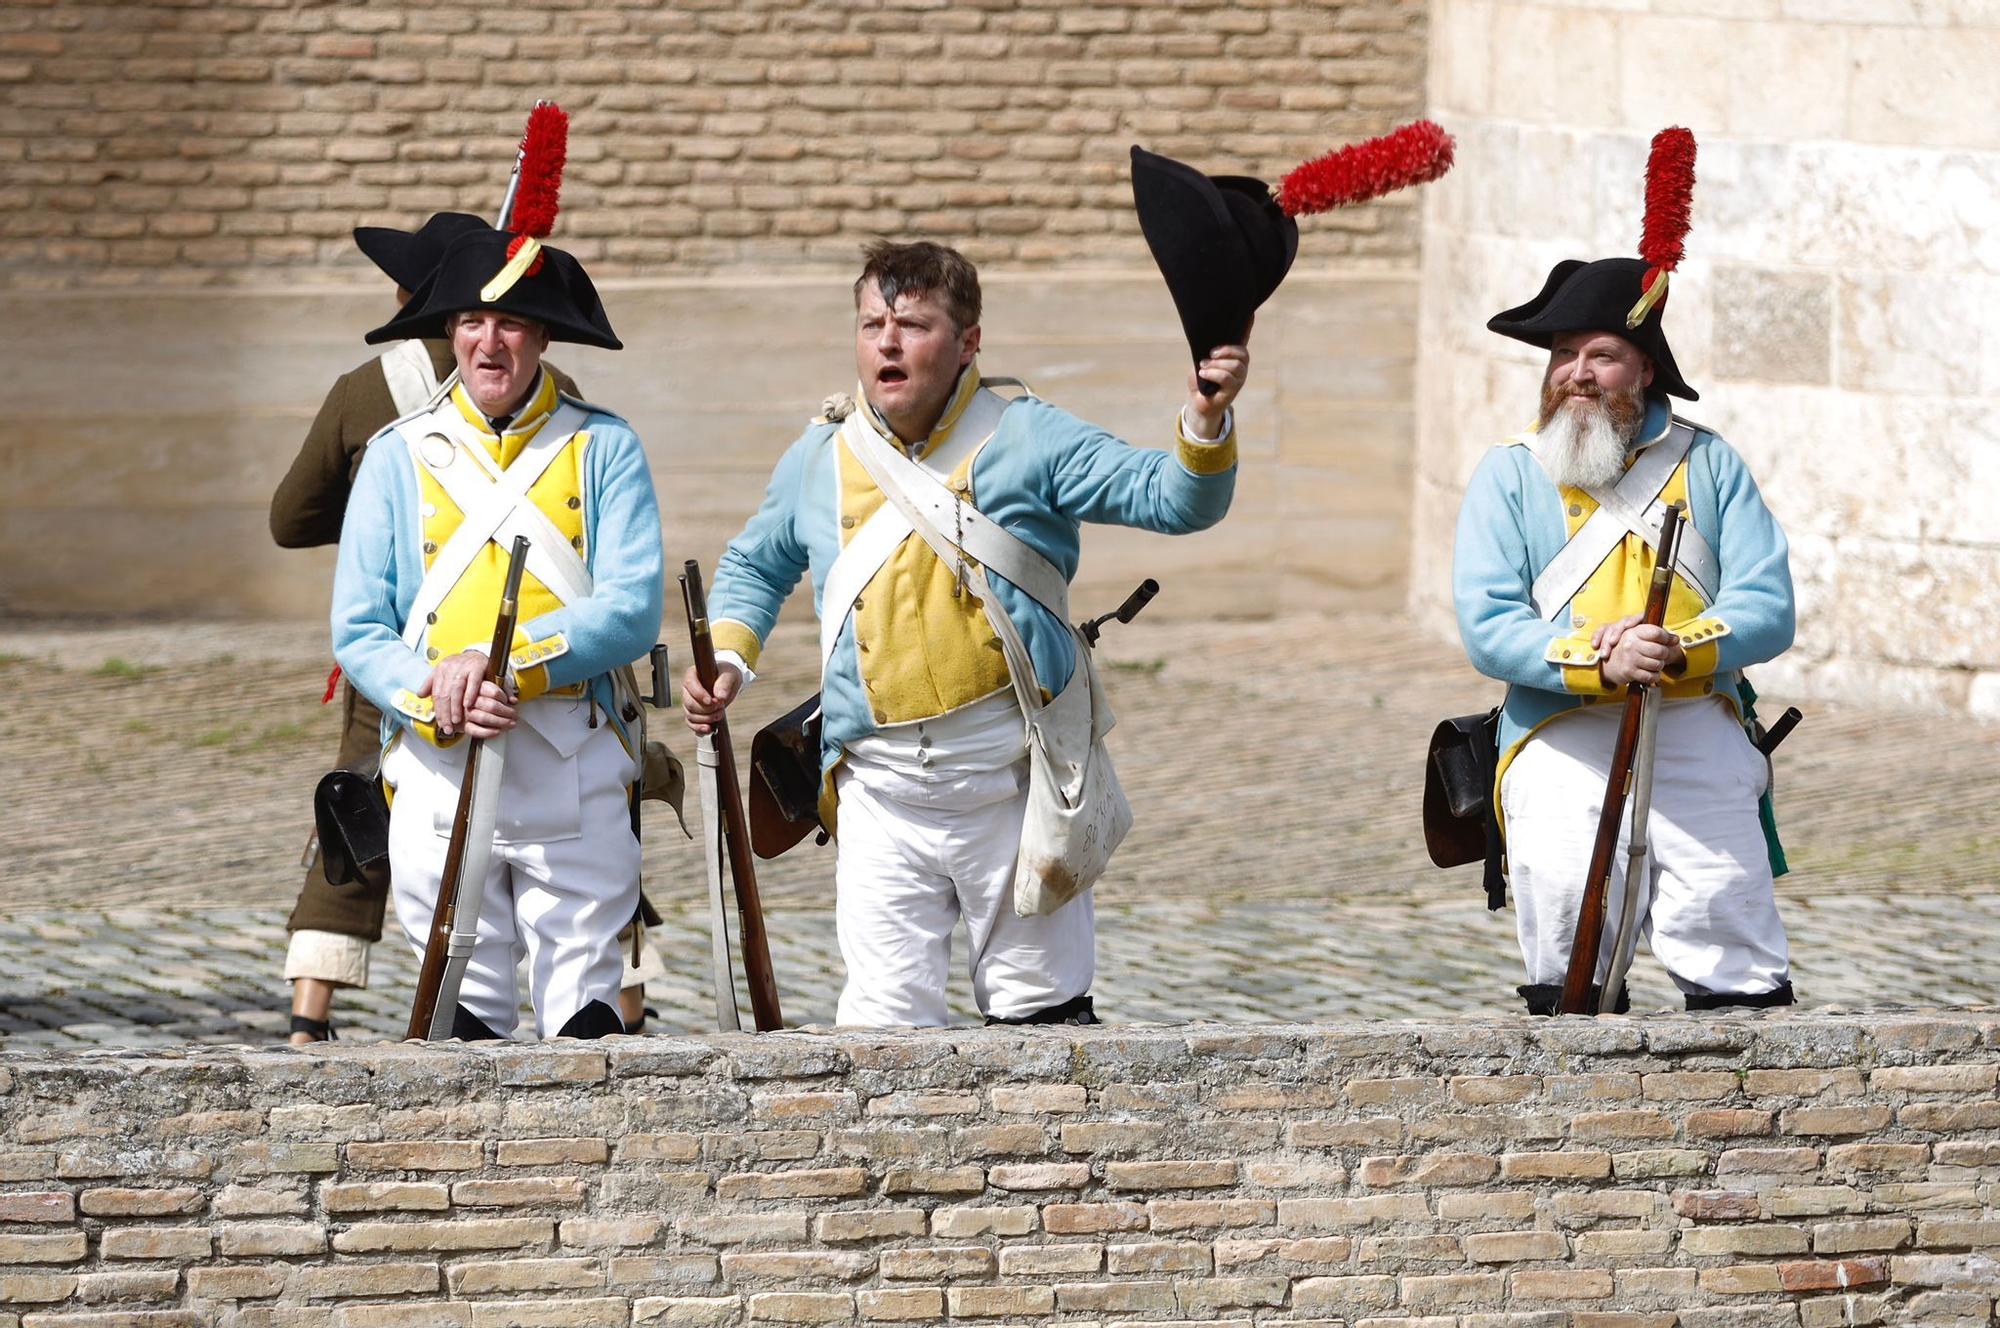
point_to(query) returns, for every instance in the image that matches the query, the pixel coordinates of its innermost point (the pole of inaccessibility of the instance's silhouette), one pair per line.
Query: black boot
(1546, 998)
(594, 1020)
(1721, 1000)
(1076, 1010)
(469, 1027)
(319, 1030)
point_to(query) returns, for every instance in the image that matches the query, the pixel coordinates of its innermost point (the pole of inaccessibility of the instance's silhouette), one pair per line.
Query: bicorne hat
(1225, 242)
(407, 257)
(507, 268)
(1596, 297)
(473, 275)
(1623, 296)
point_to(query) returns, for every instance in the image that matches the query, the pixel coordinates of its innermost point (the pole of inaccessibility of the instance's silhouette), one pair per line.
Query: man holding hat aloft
(1555, 549)
(332, 927)
(948, 660)
(423, 556)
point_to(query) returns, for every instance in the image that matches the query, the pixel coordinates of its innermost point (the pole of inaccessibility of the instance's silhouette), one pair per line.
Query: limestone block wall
(1836, 309)
(197, 143)
(1810, 1170)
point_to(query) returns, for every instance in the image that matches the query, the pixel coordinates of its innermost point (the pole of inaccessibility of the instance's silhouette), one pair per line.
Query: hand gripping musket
(455, 919)
(1577, 996)
(726, 831)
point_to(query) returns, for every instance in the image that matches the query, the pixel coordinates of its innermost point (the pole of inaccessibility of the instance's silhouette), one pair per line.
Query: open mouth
(889, 375)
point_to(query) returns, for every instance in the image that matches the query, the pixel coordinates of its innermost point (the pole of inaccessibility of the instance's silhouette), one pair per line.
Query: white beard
(1581, 448)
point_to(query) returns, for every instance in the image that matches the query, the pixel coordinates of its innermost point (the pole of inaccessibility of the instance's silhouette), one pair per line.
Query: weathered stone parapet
(1801, 1169)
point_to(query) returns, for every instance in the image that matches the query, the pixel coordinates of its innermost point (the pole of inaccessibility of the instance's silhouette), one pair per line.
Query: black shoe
(469, 1027)
(1546, 998)
(594, 1020)
(1721, 1000)
(639, 1025)
(319, 1030)
(1076, 1010)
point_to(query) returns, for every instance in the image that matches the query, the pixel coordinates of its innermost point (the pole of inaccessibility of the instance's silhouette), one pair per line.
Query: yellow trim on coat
(728, 634)
(1200, 458)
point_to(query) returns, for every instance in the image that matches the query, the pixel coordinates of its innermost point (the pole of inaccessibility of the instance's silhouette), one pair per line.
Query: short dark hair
(922, 268)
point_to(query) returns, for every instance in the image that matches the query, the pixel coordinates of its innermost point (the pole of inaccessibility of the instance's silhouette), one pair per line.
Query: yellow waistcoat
(465, 616)
(923, 649)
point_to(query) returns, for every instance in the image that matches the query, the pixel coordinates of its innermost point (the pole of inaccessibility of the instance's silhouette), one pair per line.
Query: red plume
(1417, 153)
(544, 147)
(1669, 192)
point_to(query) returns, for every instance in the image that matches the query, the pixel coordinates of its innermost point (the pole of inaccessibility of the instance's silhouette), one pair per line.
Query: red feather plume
(1417, 153)
(544, 147)
(1669, 195)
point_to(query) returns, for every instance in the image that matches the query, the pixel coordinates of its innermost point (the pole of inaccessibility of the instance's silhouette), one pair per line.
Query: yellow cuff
(1201, 458)
(422, 716)
(530, 662)
(728, 634)
(1699, 638)
(1578, 660)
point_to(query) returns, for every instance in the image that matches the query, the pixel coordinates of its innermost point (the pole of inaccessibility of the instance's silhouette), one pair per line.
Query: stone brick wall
(1835, 309)
(193, 143)
(1808, 1171)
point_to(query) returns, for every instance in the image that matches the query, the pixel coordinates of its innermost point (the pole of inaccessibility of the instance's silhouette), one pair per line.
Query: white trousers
(914, 856)
(1707, 906)
(563, 880)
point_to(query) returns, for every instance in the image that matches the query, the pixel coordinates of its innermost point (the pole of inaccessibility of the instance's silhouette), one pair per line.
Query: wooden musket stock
(757, 972)
(431, 976)
(1576, 997)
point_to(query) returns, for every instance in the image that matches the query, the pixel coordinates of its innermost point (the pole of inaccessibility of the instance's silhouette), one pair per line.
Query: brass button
(847, 523)
(576, 541)
(430, 617)
(1576, 509)
(1707, 687)
(430, 546)
(575, 503)
(432, 653)
(1565, 654)
(857, 603)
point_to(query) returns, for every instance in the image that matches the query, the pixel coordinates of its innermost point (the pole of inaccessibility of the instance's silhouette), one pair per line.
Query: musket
(719, 757)
(1576, 994)
(455, 918)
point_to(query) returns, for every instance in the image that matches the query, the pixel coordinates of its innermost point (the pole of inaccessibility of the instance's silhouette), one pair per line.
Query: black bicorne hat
(558, 295)
(1596, 297)
(407, 257)
(1222, 242)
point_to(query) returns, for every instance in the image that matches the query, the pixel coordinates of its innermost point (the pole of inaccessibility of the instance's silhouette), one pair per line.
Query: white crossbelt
(884, 532)
(1632, 507)
(496, 508)
(406, 367)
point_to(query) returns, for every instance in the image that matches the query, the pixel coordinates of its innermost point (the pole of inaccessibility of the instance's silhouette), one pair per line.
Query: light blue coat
(381, 565)
(1511, 525)
(1042, 476)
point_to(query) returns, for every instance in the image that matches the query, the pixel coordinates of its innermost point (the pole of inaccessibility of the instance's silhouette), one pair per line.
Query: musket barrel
(1589, 937)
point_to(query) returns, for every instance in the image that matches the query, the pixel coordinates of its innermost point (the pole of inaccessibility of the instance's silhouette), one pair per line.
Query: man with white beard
(1555, 550)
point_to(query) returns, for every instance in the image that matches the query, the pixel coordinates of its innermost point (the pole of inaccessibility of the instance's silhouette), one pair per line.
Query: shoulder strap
(931, 507)
(1632, 507)
(406, 366)
(493, 507)
(884, 532)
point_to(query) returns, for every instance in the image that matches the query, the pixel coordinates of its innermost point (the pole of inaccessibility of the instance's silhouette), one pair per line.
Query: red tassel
(1669, 195)
(1417, 153)
(332, 684)
(543, 150)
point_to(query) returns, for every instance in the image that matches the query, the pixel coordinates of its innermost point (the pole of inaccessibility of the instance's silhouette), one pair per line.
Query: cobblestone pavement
(158, 800)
